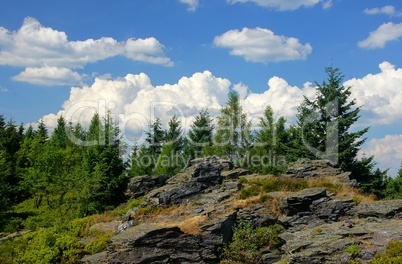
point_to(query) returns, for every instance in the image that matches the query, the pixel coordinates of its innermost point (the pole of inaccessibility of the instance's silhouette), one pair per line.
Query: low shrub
(392, 255)
(247, 242)
(251, 191)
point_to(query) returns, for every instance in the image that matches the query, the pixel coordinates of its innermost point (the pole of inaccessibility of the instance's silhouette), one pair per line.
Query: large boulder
(259, 215)
(300, 202)
(205, 173)
(153, 243)
(306, 168)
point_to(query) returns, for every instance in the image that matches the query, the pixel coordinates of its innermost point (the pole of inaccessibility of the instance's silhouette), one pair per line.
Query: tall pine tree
(200, 134)
(325, 122)
(233, 135)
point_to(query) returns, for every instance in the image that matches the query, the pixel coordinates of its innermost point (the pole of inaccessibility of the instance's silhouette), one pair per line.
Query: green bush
(353, 249)
(251, 191)
(58, 244)
(247, 242)
(393, 254)
(99, 244)
(243, 180)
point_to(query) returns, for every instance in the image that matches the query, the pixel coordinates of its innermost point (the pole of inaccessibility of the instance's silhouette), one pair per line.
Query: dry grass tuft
(274, 202)
(243, 203)
(192, 225)
(330, 183)
(357, 195)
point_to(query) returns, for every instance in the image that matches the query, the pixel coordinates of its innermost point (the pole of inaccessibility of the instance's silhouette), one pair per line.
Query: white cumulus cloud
(262, 45)
(387, 152)
(381, 36)
(34, 45)
(282, 5)
(380, 94)
(192, 4)
(386, 10)
(135, 102)
(49, 76)
(281, 96)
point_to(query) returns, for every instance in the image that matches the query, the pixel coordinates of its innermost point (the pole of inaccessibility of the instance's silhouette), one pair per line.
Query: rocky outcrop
(306, 168)
(318, 226)
(202, 175)
(312, 207)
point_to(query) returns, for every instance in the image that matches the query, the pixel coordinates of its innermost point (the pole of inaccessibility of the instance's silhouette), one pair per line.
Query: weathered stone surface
(235, 173)
(151, 243)
(259, 215)
(306, 168)
(204, 174)
(301, 201)
(141, 185)
(381, 209)
(328, 242)
(303, 168)
(314, 209)
(332, 210)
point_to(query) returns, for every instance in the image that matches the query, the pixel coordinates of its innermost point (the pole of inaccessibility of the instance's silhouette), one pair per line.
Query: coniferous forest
(55, 187)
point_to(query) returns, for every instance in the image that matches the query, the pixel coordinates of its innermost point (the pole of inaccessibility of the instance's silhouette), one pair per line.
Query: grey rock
(125, 225)
(301, 201)
(141, 185)
(380, 209)
(259, 215)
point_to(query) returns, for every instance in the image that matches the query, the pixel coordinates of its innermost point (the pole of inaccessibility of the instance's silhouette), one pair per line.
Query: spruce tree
(174, 135)
(269, 144)
(171, 159)
(325, 123)
(200, 136)
(155, 137)
(233, 135)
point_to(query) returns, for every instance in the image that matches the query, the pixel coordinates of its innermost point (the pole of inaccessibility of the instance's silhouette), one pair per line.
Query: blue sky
(178, 56)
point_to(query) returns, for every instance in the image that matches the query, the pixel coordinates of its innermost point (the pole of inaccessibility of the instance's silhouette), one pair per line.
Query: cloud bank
(41, 50)
(135, 102)
(387, 152)
(380, 95)
(262, 45)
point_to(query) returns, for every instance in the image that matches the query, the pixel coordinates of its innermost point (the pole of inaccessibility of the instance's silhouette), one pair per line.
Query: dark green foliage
(269, 152)
(170, 161)
(251, 191)
(155, 137)
(371, 179)
(233, 136)
(141, 162)
(200, 135)
(248, 241)
(394, 186)
(10, 139)
(324, 124)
